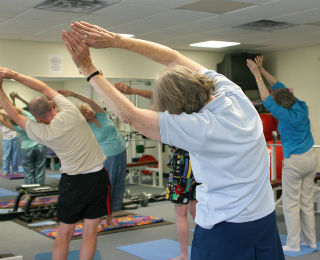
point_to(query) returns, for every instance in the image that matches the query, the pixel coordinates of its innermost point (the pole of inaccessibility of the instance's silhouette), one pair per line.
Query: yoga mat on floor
(304, 250)
(42, 201)
(13, 176)
(162, 249)
(124, 222)
(55, 176)
(5, 193)
(72, 255)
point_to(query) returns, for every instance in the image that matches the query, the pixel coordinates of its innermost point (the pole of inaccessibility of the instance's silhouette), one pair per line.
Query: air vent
(265, 25)
(75, 6)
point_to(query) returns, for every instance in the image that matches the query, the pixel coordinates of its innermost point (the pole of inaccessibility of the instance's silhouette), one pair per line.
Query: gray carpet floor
(18, 240)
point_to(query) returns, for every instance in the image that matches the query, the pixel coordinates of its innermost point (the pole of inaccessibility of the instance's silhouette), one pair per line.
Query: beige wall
(298, 69)
(31, 58)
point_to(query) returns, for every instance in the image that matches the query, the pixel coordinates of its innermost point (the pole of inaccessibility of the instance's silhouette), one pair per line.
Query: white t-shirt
(70, 137)
(7, 133)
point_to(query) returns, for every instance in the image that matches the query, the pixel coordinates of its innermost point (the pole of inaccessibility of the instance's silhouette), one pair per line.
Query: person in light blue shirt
(206, 114)
(111, 142)
(300, 158)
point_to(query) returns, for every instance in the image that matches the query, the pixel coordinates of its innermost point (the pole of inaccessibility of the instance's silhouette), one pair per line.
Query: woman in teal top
(111, 142)
(300, 161)
(34, 155)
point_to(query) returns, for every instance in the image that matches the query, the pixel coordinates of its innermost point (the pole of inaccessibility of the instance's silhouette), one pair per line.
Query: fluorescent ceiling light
(214, 44)
(126, 35)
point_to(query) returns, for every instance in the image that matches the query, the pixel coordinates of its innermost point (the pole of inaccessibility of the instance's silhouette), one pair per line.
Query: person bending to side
(181, 187)
(300, 158)
(83, 185)
(206, 114)
(111, 142)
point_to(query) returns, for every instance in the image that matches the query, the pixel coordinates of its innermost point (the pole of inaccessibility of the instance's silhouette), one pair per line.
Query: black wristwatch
(98, 72)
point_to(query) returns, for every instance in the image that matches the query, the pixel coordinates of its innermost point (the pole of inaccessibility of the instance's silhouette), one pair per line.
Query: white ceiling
(176, 23)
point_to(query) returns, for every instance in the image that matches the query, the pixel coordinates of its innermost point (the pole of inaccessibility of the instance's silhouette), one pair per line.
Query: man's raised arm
(29, 82)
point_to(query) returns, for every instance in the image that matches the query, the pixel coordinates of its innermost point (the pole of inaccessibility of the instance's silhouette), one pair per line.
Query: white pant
(297, 194)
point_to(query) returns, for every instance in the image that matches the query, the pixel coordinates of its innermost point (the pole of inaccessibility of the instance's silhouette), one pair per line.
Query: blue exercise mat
(55, 176)
(5, 193)
(72, 255)
(304, 250)
(162, 249)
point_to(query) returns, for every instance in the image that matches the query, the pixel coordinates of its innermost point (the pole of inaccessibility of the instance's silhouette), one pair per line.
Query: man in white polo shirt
(83, 188)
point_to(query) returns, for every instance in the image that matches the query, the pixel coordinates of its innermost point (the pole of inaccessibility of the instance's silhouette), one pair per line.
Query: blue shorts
(257, 239)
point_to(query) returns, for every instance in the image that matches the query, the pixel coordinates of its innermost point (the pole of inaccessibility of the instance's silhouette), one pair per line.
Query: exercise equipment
(132, 201)
(29, 213)
(34, 192)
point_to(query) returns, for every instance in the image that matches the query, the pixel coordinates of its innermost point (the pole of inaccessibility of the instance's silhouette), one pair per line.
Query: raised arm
(271, 79)
(68, 93)
(30, 82)
(97, 37)
(126, 89)
(263, 90)
(14, 95)
(11, 110)
(144, 121)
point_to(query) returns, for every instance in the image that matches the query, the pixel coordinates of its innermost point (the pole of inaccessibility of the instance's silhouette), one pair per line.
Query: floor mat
(119, 223)
(12, 176)
(162, 249)
(122, 220)
(72, 255)
(6, 193)
(42, 201)
(55, 175)
(304, 250)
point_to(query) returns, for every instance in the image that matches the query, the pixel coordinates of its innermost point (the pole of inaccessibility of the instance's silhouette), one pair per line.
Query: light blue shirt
(109, 138)
(228, 155)
(293, 126)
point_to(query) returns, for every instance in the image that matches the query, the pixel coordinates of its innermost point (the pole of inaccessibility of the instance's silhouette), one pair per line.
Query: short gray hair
(283, 97)
(180, 89)
(39, 107)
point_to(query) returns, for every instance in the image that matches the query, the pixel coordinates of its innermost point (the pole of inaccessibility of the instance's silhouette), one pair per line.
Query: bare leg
(181, 212)
(89, 238)
(62, 241)
(192, 208)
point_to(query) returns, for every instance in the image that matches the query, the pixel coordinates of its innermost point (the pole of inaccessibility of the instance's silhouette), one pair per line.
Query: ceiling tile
(217, 6)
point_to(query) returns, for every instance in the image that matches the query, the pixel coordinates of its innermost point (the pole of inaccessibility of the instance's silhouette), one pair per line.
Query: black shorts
(83, 196)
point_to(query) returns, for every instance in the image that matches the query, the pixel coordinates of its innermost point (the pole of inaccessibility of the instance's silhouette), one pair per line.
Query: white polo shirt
(228, 155)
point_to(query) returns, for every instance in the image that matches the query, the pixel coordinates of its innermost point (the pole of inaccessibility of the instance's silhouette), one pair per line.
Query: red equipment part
(279, 158)
(269, 123)
(148, 157)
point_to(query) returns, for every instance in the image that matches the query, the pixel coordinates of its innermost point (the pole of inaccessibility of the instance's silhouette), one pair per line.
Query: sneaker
(292, 249)
(314, 246)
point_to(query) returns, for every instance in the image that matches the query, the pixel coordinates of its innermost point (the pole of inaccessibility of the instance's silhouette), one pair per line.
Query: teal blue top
(26, 142)
(294, 124)
(109, 138)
